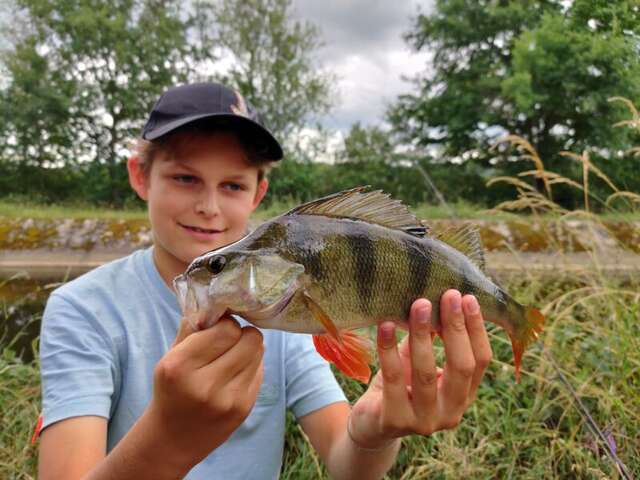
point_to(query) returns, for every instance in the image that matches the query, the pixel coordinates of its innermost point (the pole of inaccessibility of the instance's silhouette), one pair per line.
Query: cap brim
(265, 142)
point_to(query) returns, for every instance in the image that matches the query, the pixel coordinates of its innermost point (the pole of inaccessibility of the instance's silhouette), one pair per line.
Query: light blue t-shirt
(102, 335)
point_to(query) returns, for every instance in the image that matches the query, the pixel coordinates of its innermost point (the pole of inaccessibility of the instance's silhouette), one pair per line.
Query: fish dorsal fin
(465, 239)
(359, 204)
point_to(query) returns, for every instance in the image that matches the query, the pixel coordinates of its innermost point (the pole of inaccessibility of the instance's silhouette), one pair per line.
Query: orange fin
(346, 350)
(350, 353)
(320, 316)
(36, 431)
(534, 323)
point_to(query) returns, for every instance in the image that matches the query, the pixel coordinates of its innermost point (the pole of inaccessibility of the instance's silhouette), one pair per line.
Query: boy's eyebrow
(239, 176)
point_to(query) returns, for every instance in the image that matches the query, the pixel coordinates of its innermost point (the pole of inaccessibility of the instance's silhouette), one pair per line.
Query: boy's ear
(137, 177)
(263, 185)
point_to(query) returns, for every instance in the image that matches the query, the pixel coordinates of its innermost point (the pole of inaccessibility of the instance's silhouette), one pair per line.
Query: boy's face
(200, 200)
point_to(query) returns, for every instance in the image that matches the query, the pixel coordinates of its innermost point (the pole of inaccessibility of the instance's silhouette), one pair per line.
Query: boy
(130, 391)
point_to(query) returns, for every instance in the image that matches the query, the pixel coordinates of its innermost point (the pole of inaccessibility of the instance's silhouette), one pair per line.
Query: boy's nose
(207, 205)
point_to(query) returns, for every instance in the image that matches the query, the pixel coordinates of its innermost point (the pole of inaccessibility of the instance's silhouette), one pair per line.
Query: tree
(273, 64)
(540, 69)
(84, 76)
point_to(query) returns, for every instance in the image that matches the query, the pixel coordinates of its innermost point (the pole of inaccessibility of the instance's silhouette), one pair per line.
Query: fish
(342, 262)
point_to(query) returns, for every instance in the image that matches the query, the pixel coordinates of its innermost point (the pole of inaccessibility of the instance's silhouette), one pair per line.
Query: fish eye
(216, 264)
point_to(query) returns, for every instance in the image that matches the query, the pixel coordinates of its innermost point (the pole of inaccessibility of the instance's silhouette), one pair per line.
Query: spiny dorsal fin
(465, 238)
(358, 204)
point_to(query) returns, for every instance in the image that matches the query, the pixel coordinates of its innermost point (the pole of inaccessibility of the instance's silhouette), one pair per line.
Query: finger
(478, 338)
(404, 350)
(460, 363)
(424, 376)
(394, 392)
(202, 347)
(248, 348)
(248, 380)
(184, 330)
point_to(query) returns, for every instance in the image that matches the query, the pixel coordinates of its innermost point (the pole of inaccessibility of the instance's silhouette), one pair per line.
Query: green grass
(462, 209)
(526, 431)
(26, 210)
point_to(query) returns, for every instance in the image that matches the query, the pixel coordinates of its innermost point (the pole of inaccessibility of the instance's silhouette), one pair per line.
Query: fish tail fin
(532, 326)
(349, 352)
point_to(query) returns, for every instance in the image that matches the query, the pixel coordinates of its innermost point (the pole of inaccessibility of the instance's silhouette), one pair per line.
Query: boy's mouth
(209, 231)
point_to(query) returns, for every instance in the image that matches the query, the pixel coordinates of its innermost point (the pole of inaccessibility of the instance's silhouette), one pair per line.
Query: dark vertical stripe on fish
(467, 286)
(363, 251)
(313, 264)
(419, 262)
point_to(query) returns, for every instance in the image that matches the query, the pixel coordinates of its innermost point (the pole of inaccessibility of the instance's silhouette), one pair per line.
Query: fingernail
(456, 303)
(474, 307)
(423, 314)
(388, 334)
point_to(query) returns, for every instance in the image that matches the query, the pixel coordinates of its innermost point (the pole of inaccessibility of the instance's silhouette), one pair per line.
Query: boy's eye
(234, 186)
(185, 178)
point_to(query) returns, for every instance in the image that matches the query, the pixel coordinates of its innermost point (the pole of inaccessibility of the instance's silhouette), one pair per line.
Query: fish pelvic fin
(533, 324)
(346, 350)
(350, 352)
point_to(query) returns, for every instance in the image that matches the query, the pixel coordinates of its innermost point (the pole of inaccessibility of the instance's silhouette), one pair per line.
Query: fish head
(255, 284)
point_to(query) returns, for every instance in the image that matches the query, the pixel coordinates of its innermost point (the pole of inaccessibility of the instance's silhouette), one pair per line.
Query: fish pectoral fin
(346, 350)
(318, 313)
(350, 353)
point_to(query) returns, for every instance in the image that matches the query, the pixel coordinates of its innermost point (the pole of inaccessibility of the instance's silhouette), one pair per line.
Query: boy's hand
(410, 394)
(205, 386)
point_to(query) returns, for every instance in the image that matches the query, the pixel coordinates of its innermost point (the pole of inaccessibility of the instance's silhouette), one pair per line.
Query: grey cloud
(362, 46)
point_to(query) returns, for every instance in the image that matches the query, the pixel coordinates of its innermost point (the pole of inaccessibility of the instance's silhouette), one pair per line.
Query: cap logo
(241, 107)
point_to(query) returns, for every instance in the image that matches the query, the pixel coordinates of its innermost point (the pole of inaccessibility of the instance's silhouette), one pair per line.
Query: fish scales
(383, 266)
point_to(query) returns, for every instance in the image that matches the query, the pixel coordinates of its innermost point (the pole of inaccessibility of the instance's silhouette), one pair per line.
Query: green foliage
(83, 77)
(543, 70)
(273, 60)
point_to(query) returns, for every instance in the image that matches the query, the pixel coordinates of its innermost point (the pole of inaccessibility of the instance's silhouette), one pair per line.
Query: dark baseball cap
(215, 103)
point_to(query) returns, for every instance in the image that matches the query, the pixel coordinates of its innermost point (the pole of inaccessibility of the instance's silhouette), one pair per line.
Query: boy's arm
(409, 395)
(195, 394)
(72, 447)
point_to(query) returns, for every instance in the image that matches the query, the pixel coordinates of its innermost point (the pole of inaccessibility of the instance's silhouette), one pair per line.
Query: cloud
(365, 50)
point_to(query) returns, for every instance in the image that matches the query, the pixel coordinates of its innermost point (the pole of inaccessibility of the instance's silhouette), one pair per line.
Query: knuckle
(457, 324)
(224, 405)
(391, 375)
(483, 361)
(451, 423)
(168, 370)
(422, 333)
(425, 430)
(467, 369)
(253, 335)
(426, 378)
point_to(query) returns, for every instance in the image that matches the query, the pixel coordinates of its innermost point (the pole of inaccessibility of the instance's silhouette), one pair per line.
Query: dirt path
(57, 265)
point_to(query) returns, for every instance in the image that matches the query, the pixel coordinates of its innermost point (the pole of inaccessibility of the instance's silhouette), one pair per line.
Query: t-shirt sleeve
(77, 363)
(310, 383)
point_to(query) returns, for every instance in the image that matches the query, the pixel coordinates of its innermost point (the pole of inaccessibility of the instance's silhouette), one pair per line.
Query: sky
(363, 47)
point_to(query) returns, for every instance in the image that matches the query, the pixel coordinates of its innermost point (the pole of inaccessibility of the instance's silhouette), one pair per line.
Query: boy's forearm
(349, 461)
(145, 452)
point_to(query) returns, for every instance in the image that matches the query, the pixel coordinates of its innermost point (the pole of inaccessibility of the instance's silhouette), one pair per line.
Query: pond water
(21, 304)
